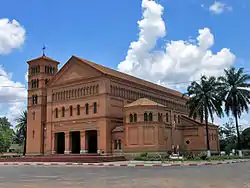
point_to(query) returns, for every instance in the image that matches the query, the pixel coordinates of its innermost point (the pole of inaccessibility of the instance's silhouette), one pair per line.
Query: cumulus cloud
(180, 61)
(12, 35)
(219, 7)
(26, 76)
(244, 123)
(13, 96)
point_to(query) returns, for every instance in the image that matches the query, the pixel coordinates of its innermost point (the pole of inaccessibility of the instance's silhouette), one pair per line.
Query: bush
(221, 158)
(144, 155)
(202, 155)
(188, 155)
(156, 157)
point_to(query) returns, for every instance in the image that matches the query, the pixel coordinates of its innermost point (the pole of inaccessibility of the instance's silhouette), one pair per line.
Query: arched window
(175, 118)
(56, 113)
(160, 117)
(95, 108)
(78, 109)
(71, 110)
(135, 117)
(130, 118)
(46, 81)
(69, 94)
(119, 145)
(63, 111)
(145, 116)
(179, 119)
(115, 144)
(87, 92)
(34, 99)
(87, 108)
(150, 116)
(37, 83)
(54, 70)
(167, 117)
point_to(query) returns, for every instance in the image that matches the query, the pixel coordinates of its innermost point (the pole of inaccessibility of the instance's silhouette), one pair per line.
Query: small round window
(187, 142)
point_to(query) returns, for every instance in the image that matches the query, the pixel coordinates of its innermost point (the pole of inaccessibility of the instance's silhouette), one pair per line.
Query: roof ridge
(43, 57)
(112, 72)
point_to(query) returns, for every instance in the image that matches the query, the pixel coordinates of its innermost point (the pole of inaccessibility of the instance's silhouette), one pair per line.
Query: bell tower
(40, 71)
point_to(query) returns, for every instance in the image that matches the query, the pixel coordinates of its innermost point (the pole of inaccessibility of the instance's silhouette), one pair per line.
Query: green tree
(228, 129)
(204, 101)
(6, 134)
(236, 95)
(21, 129)
(245, 137)
(228, 139)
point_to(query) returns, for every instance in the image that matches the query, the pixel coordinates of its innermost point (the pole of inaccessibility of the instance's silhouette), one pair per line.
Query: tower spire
(44, 48)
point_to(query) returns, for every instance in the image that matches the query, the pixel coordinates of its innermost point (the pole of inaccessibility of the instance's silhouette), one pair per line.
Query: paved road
(221, 176)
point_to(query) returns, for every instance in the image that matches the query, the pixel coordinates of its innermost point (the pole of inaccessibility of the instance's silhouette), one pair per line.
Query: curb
(121, 164)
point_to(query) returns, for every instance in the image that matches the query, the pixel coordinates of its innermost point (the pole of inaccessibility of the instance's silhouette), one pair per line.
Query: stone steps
(66, 158)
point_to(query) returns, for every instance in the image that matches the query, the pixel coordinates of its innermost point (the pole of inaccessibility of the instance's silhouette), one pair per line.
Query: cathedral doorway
(60, 143)
(92, 141)
(75, 142)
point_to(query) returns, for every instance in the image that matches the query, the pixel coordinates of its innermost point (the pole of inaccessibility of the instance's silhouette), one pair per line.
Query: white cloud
(180, 61)
(26, 76)
(219, 7)
(12, 35)
(244, 123)
(13, 96)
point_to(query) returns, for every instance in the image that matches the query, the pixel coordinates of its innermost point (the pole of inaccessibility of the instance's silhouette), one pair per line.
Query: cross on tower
(44, 48)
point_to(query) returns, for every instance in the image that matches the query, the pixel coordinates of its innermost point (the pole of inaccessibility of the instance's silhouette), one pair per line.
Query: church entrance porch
(92, 141)
(75, 142)
(60, 143)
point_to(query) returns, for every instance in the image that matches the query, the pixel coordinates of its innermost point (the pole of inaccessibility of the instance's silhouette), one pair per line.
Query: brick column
(83, 142)
(67, 149)
(99, 147)
(53, 147)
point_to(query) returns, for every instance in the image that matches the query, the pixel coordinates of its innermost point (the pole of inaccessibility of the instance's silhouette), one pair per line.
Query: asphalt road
(220, 176)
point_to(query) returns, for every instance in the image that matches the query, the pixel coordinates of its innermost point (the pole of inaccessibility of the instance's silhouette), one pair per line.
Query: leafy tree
(227, 130)
(228, 139)
(21, 129)
(6, 134)
(245, 137)
(204, 101)
(234, 91)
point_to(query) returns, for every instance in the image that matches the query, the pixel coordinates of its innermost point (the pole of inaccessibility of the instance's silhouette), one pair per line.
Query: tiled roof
(43, 58)
(127, 77)
(143, 102)
(197, 121)
(118, 129)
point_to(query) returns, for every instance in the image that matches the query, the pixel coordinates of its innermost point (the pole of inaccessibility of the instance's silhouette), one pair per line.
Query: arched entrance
(92, 141)
(60, 143)
(75, 142)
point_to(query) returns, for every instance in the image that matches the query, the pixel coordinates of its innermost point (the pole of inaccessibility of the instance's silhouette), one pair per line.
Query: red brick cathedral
(88, 108)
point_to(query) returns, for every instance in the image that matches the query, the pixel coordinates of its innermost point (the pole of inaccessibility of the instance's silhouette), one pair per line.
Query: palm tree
(204, 101)
(21, 129)
(236, 95)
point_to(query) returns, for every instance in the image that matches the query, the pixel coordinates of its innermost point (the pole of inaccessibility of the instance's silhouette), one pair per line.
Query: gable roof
(117, 74)
(127, 77)
(118, 129)
(43, 58)
(143, 102)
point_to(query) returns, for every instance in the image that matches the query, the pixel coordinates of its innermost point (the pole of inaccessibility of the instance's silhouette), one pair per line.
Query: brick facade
(87, 107)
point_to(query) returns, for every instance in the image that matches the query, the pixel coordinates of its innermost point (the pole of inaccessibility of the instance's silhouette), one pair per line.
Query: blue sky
(102, 31)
